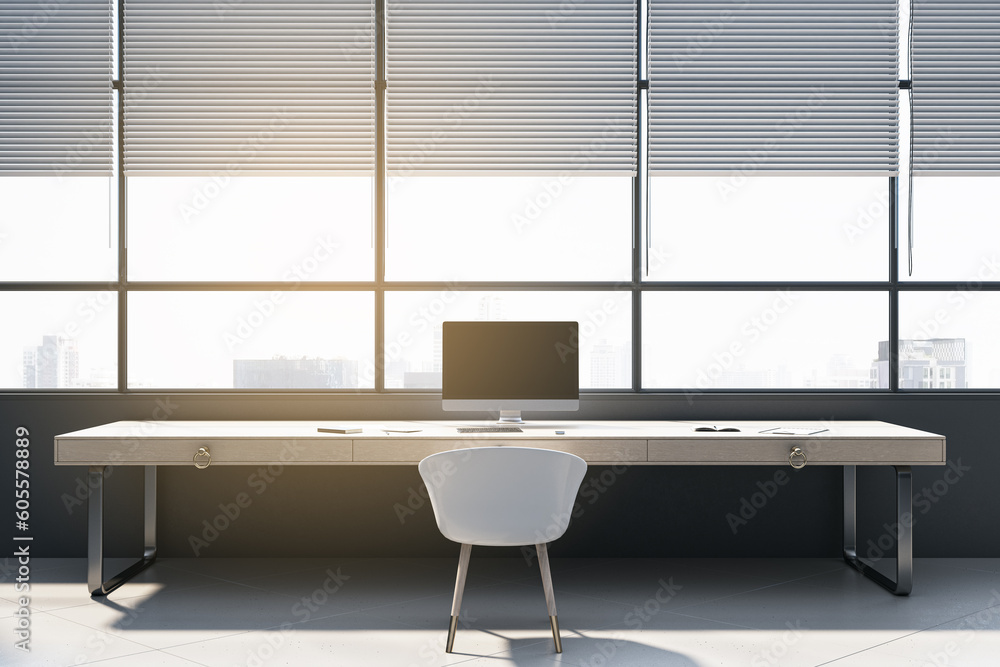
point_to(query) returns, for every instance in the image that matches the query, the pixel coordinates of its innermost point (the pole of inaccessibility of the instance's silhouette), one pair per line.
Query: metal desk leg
(95, 532)
(903, 527)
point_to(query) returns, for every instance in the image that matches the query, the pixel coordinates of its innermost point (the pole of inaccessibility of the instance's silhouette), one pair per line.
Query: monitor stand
(510, 417)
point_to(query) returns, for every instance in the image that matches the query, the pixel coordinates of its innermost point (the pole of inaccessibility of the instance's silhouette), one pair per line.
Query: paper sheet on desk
(794, 431)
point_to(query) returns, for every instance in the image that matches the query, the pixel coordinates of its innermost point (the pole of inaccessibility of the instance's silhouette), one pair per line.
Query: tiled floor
(374, 612)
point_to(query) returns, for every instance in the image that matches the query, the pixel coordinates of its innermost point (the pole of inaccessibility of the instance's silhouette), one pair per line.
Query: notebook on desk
(340, 428)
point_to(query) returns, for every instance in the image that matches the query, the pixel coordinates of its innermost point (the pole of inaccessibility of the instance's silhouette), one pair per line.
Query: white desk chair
(502, 497)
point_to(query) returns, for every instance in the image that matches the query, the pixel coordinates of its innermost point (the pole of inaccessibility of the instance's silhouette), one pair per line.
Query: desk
(203, 443)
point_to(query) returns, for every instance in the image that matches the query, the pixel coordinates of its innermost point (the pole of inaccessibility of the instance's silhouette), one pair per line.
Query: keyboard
(489, 429)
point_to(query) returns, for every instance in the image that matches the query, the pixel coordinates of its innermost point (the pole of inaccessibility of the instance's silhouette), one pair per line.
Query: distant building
(102, 378)
(610, 365)
(492, 309)
(603, 366)
(30, 368)
(395, 369)
(53, 364)
(843, 373)
(932, 363)
(438, 348)
(282, 373)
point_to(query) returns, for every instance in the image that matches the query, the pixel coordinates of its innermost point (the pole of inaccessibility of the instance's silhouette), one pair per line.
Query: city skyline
(924, 364)
(180, 340)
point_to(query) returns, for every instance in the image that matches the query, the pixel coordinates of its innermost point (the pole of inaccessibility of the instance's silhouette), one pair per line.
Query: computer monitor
(507, 367)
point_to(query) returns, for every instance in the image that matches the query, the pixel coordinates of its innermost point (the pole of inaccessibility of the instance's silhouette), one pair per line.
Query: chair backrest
(502, 496)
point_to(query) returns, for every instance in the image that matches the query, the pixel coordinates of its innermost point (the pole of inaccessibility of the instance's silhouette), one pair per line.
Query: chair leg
(550, 597)
(456, 602)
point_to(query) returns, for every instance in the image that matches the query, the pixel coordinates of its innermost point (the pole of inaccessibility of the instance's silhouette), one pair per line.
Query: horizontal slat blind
(55, 88)
(249, 87)
(511, 87)
(777, 86)
(956, 87)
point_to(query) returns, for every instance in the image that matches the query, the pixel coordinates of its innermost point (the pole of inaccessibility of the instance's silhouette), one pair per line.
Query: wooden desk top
(597, 442)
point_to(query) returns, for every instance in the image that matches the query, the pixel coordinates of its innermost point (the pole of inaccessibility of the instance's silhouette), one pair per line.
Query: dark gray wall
(638, 511)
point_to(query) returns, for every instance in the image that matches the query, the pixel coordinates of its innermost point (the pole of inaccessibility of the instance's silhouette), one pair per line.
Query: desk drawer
(224, 451)
(412, 450)
(718, 451)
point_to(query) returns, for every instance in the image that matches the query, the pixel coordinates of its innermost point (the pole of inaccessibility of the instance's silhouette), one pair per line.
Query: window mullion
(119, 128)
(380, 190)
(893, 284)
(640, 211)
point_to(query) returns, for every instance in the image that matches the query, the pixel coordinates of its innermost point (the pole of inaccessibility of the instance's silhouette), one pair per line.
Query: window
(554, 227)
(772, 136)
(772, 149)
(252, 228)
(56, 228)
(781, 339)
(769, 228)
(56, 143)
(946, 318)
(413, 330)
(254, 160)
(955, 235)
(251, 340)
(510, 140)
(712, 190)
(58, 340)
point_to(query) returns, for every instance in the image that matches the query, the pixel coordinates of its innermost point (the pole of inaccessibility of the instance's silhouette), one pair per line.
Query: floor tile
(777, 570)
(636, 642)
(504, 616)
(184, 616)
(873, 658)
(971, 640)
(955, 592)
(348, 639)
(861, 615)
(348, 585)
(65, 585)
(978, 564)
(58, 642)
(9, 566)
(9, 606)
(664, 637)
(655, 582)
(239, 570)
(148, 659)
(534, 655)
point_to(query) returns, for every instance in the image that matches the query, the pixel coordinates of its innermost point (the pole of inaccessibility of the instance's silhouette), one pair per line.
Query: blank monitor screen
(509, 364)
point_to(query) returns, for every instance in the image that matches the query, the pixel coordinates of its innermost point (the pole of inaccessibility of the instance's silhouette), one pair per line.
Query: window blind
(956, 87)
(249, 87)
(754, 86)
(511, 87)
(55, 88)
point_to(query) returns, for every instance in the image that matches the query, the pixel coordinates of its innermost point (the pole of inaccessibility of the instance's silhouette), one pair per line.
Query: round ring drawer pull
(797, 458)
(202, 458)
